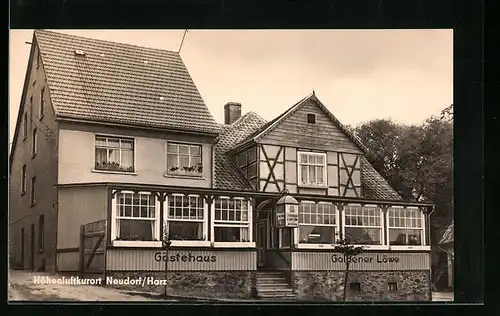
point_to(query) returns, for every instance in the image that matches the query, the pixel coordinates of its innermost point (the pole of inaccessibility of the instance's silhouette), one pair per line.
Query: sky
(359, 75)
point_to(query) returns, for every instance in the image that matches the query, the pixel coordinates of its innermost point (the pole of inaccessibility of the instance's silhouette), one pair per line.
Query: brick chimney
(232, 112)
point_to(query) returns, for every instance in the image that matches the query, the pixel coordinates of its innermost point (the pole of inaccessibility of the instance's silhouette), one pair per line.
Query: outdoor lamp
(287, 212)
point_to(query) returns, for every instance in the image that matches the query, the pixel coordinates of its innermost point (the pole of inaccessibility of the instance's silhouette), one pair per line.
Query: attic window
(311, 118)
(79, 52)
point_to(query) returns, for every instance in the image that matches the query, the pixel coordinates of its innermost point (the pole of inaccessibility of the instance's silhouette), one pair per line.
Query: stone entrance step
(273, 285)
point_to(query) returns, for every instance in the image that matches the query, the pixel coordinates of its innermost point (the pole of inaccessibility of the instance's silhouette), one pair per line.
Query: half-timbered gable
(306, 150)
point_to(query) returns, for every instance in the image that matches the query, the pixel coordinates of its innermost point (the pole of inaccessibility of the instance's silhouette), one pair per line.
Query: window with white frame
(114, 154)
(317, 223)
(312, 168)
(406, 227)
(231, 220)
(184, 159)
(137, 217)
(363, 224)
(186, 217)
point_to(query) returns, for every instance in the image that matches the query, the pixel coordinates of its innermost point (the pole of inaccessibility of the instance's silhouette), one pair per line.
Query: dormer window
(311, 118)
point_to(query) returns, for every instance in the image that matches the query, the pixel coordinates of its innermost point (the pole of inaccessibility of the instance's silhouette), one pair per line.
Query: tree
(416, 160)
(348, 250)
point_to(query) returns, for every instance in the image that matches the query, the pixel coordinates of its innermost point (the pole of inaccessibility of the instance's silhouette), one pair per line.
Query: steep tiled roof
(448, 235)
(227, 174)
(374, 185)
(121, 83)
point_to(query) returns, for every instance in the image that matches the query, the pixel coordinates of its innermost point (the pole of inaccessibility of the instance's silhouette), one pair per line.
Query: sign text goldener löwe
(379, 258)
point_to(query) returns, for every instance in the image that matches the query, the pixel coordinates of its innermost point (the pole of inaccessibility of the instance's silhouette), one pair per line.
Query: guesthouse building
(118, 169)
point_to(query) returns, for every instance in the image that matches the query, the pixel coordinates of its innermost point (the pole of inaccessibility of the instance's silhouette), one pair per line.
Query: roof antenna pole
(182, 40)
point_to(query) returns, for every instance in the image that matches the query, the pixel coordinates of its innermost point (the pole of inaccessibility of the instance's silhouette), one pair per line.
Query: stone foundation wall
(374, 285)
(221, 284)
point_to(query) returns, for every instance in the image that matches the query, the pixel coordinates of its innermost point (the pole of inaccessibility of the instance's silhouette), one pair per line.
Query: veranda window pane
(185, 212)
(405, 237)
(128, 210)
(184, 149)
(136, 229)
(316, 234)
(365, 236)
(303, 159)
(230, 234)
(135, 211)
(244, 205)
(185, 230)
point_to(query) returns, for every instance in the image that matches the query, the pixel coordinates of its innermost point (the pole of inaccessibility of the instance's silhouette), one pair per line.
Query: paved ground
(23, 288)
(442, 296)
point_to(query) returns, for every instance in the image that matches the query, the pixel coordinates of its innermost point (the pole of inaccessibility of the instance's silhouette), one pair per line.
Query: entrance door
(22, 248)
(32, 247)
(261, 242)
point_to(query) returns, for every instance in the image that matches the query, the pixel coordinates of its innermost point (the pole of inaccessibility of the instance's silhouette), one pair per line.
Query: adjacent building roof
(448, 235)
(98, 80)
(374, 186)
(227, 174)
